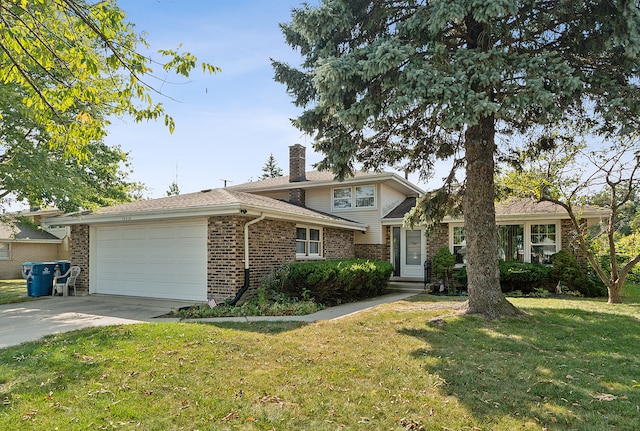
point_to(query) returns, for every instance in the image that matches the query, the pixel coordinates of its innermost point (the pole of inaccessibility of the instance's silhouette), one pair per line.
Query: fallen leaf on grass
(603, 397)
(411, 425)
(272, 399)
(232, 415)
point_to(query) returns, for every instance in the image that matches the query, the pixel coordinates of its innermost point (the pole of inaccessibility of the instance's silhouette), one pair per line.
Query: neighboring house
(25, 242)
(212, 243)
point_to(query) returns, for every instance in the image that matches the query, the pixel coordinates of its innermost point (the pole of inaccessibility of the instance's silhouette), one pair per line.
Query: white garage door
(158, 260)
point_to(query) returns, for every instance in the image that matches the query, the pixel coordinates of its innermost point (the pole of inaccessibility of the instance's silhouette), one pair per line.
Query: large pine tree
(406, 82)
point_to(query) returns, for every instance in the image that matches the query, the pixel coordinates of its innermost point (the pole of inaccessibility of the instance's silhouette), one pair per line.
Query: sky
(227, 124)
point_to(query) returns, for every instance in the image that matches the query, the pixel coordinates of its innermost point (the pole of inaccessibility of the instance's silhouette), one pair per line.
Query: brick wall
(272, 243)
(79, 255)
(338, 243)
(26, 252)
(373, 252)
(225, 269)
(438, 239)
(569, 243)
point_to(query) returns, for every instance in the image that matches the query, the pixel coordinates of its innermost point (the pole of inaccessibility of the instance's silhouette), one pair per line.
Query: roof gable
(327, 179)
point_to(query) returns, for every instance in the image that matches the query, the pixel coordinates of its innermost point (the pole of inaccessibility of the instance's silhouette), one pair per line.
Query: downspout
(247, 272)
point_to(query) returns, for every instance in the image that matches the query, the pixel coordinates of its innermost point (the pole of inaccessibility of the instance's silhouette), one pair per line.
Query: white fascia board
(192, 212)
(33, 241)
(201, 212)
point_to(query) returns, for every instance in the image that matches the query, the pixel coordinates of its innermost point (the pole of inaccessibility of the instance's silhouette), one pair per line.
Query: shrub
(332, 282)
(568, 272)
(523, 276)
(443, 263)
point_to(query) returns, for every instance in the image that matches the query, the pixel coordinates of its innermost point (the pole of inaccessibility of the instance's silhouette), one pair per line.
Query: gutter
(247, 271)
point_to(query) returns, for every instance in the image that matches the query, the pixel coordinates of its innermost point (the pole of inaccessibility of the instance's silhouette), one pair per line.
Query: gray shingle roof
(19, 231)
(211, 200)
(403, 208)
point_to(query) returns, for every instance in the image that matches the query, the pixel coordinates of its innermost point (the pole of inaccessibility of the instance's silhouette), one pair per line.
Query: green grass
(12, 291)
(568, 364)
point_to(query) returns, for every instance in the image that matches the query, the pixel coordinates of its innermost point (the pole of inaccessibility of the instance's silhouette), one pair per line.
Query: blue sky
(227, 124)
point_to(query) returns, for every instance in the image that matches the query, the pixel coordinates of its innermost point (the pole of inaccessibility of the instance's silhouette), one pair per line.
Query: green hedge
(527, 277)
(332, 282)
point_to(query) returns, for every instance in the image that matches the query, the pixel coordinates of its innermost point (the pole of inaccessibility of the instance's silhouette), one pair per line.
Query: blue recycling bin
(39, 276)
(64, 266)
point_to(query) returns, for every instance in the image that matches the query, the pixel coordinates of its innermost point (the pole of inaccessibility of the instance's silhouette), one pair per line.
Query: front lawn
(569, 364)
(12, 291)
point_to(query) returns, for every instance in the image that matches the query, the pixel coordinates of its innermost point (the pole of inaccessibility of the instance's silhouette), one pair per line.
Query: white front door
(413, 249)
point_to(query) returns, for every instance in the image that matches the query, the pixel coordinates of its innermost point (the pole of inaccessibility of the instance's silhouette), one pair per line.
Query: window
(365, 197)
(342, 198)
(5, 251)
(459, 244)
(543, 242)
(354, 197)
(308, 242)
(511, 242)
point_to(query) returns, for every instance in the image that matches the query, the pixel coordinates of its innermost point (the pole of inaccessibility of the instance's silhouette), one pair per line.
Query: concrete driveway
(28, 321)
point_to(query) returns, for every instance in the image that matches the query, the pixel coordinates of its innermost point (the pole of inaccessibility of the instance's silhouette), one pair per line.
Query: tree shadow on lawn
(262, 327)
(564, 368)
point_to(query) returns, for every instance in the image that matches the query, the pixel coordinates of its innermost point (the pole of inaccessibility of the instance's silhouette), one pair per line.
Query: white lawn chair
(64, 286)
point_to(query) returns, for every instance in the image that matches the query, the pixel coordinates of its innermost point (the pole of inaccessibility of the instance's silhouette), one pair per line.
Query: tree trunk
(481, 234)
(615, 293)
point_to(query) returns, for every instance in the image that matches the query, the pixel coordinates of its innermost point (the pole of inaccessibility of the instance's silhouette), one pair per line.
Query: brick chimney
(297, 165)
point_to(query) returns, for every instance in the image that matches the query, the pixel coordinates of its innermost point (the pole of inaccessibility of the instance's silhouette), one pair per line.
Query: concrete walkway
(28, 321)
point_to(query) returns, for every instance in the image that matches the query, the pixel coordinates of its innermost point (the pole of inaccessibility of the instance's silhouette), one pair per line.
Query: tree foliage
(271, 169)
(66, 68)
(173, 190)
(570, 175)
(404, 83)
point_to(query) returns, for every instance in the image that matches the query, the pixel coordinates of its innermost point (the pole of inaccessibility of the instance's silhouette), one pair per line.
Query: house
(218, 242)
(22, 240)
(528, 231)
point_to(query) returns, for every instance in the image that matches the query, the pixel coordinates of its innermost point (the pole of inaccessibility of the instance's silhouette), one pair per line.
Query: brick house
(22, 241)
(215, 243)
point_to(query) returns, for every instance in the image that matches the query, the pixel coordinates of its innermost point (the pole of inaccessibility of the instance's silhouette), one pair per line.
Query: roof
(403, 208)
(16, 231)
(529, 209)
(326, 178)
(521, 207)
(512, 209)
(210, 202)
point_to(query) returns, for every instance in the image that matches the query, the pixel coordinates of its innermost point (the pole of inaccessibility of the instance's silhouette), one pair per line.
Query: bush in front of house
(526, 278)
(523, 276)
(332, 282)
(567, 271)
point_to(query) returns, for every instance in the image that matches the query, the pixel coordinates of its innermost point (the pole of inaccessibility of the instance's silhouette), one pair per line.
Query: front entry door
(412, 253)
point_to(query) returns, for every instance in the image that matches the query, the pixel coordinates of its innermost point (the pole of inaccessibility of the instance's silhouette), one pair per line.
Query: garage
(150, 259)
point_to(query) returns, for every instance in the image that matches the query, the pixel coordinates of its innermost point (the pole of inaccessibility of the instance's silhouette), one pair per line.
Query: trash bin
(64, 266)
(39, 276)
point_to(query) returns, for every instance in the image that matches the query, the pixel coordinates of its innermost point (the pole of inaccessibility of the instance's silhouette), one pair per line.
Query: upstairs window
(346, 198)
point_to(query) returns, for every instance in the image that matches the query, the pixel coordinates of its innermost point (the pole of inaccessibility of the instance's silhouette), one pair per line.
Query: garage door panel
(160, 260)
